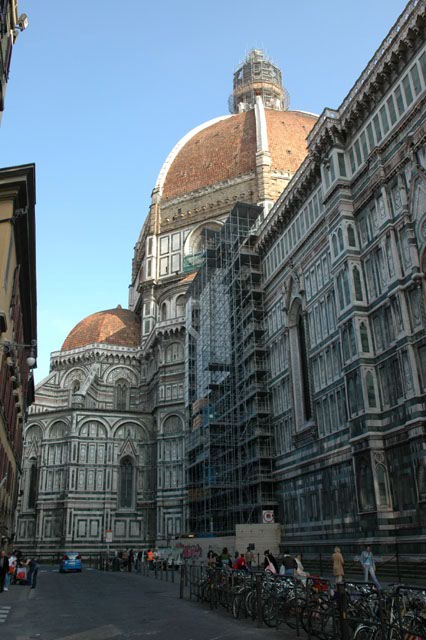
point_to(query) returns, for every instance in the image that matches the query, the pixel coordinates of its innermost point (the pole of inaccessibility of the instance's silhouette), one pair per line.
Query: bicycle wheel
(236, 605)
(293, 611)
(366, 632)
(270, 613)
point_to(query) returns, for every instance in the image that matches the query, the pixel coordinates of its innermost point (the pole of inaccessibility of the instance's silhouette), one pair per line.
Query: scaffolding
(258, 76)
(229, 447)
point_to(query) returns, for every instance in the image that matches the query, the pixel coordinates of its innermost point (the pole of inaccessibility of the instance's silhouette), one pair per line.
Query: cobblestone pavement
(116, 606)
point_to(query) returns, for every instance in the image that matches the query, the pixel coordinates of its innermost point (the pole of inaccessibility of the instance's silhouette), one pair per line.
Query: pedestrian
(150, 556)
(13, 561)
(226, 558)
(338, 563)
(240, 563)
(301, 574)
(369, 566)
(211, 558)
(33, 568)
(138, 562)
(289, 565)
(249, 558)
(4, 570)
(130, 557)
(270, 564)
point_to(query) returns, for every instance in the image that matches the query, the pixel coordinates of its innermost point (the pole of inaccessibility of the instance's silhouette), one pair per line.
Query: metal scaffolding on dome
(258, 76)
(229, 447)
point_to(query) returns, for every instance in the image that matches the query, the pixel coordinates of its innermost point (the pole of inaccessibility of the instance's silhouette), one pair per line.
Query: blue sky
(99, 93)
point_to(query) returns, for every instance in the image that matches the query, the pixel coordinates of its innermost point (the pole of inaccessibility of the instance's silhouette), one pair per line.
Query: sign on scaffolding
(268, 517)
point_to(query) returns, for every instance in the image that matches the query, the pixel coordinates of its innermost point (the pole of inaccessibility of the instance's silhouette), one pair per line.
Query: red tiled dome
(227, 149)
(115, 326)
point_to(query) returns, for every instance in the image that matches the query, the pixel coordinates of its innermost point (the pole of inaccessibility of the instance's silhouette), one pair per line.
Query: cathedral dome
(117, 326)
(226, 148)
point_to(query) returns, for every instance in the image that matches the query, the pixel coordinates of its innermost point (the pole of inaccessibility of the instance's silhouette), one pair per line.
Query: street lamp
(9, 347)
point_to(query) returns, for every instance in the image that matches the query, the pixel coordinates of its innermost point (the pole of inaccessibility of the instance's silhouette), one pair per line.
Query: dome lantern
(258, 76)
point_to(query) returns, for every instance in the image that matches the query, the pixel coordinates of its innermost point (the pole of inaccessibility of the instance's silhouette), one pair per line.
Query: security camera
(22, 22)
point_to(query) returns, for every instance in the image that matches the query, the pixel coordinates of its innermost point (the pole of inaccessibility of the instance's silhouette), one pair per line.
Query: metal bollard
(182, 581)
(259, 601)
(343, 611)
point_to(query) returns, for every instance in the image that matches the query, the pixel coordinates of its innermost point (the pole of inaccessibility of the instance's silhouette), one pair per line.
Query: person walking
(4, 570)
(33, 568)
(289, 564)
(369, 566)
(211, 558)
(301, 574)
(249, 558)
(138, 562)
(338, 562)
(130, 558)
(150, 556)
(269, 562)
(13, 561)
(240, 563)
(226, 558)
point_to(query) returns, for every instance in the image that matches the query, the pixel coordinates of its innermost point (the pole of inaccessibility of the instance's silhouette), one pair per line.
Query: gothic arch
(174, 352)
(75, 374)
(122, 395)
(127, 482)
(172, 424)
(299, 363)
(115, 372)
(137, 431)
(421, 479)
(179, 304)
(86, 429)
(58, 430)
(193, 243)
(33, 432)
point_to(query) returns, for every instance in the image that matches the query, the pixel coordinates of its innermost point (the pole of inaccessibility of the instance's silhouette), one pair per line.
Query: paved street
(102, 606)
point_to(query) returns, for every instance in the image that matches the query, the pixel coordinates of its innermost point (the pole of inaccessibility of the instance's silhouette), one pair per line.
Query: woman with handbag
(270, 564)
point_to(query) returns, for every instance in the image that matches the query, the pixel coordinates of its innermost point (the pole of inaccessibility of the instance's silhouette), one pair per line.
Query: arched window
(382, 485)
(421, 479)
(346, 288)
(305, 368)
(174, 352)
(351, 396)
(180, 306)
(352, 340)
(345, 344)
(365, 486)
(358, 392)
(126, 483)
(299, 365)
(371, 393)
(334, 242)
(351, 236)
(122, 395)
(32, 484)
(365, 346)
(357, 283)
(164, 311)
(340, 236)
(340, 290)
(172, 425)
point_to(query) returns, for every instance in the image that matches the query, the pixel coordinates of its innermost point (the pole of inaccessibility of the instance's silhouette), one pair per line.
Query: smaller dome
(118, 326)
